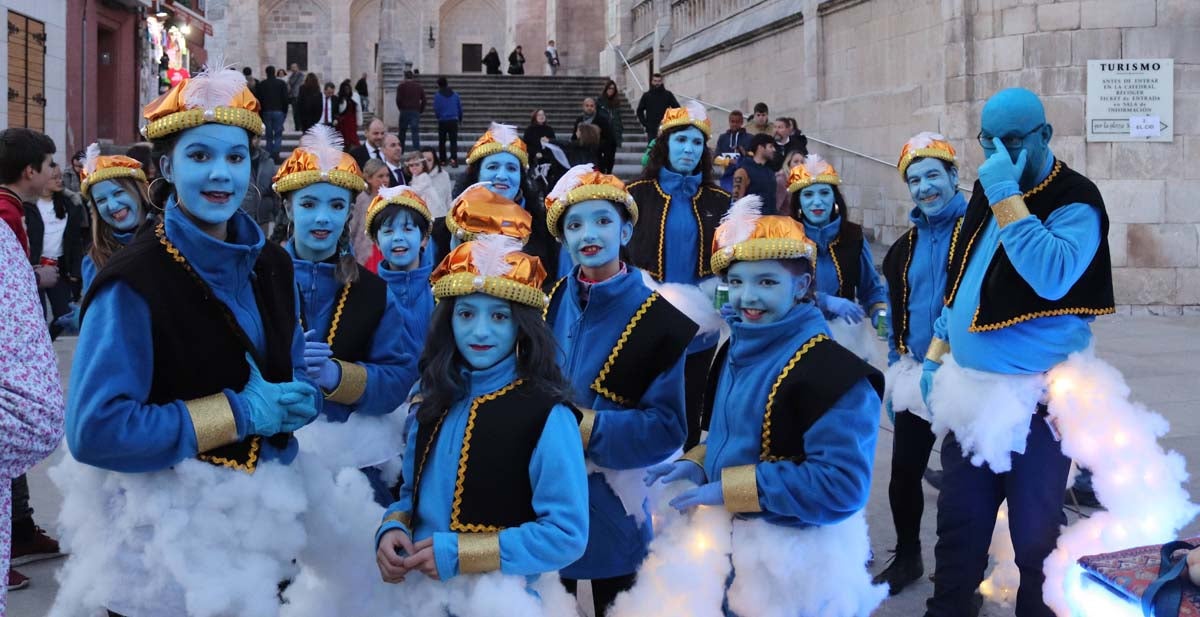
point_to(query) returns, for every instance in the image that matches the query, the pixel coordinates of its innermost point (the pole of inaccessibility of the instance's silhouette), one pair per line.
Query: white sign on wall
(1130, 100)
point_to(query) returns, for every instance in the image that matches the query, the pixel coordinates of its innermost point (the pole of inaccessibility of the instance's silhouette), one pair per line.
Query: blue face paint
(762, 292)
(931, 186)
(484, 330)
(816, 202)
(594, 233)
(684, 149)
(319, 213)
(120, 208)
(400, 240)
(1017, 115)
(503, 170)
(210, 168)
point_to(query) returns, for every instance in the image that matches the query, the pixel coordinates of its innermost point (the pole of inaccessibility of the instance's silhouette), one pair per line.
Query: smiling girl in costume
(622, 347)
(792, 436)
(398, 222)
(188, 381)
(115, 188)
(494, 479)
(357, 348)
(847, 286)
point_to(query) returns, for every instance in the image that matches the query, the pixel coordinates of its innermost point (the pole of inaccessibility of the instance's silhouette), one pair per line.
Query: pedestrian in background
(347, 122)
(295, 79)
(273, 96)
(516, 62)
(447, 107)
(410, 99)
(552, 57)
(492, 62)
(654, 105)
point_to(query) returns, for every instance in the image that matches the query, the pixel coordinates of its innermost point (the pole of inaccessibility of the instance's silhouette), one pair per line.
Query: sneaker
(36, 547)
(16, 580)
(904, 570)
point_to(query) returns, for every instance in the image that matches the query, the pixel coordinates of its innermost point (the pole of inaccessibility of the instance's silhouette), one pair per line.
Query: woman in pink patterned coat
(31, 399)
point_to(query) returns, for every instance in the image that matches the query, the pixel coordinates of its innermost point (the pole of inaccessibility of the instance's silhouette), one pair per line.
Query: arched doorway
(469, 22)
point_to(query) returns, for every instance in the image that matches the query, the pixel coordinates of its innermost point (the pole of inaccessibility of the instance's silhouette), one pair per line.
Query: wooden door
(472, 58)
(26, 72)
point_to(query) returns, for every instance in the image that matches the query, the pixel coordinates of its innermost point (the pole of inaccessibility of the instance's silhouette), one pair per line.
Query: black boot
(905, 568)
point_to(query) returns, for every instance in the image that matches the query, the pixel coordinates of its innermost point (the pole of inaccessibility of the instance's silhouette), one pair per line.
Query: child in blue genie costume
(847, 286)
(622, 347)
(357, 348)
(494, 477)
(398, 222)
(115, 188)
(792, 436)
(681, 206)
(1029, 271)
(915, 268)
(190, 349)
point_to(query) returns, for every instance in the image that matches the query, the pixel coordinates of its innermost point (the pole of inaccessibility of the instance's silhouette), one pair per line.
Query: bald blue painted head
(1017, 117)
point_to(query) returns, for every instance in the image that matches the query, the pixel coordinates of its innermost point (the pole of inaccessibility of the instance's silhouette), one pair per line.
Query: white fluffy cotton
(361, 441)
(902, 385)
(1002, 582)
(859, 338)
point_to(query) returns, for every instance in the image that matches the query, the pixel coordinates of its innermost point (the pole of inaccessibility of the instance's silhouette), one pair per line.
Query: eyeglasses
(1011, 142)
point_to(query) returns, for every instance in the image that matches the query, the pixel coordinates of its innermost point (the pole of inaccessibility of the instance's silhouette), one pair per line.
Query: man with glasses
(1028, 272)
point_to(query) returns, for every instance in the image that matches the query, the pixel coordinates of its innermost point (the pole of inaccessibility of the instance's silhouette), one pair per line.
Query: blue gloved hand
(704, 495)
(674, 471)
(69, 322)
(317, 355)
(728, 313)
(271, 406)
(848, 310)
(891, 413)
(928, 369)
(329, 376)
(999, 175)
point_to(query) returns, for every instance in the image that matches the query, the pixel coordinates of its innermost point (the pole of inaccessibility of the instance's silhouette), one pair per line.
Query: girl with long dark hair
(347, 121)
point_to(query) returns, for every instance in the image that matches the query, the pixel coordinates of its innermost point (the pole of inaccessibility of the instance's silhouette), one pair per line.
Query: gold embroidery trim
(739, 487)
(766, 429)
(456, 507)
(337, 315)
(662, 233)
(213, 421)
(553, 290)
(937, 348)
(352, 384)
(478, 552)
(901, 346)
(404, 518)
(586, 425)
(975, 327)
(836, 266)
(696, 455)
(598, 385)
(251, 458)
(1009, 210)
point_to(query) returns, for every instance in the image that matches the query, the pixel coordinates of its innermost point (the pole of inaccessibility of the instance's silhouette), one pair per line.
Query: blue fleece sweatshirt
(835, 480)
(682, 233)
(414, 297)
(108, 423)
(447, 107)
(622, 437)
(391, 362)
(871, 290)
(556, 471)
(926, 276)
(1050, 256)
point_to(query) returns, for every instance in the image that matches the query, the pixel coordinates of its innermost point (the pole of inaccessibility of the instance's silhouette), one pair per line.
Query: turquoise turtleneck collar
(676, 183)
(489, 380)
(824, 234)
(226, 264)
(946, 217)
(750, 342)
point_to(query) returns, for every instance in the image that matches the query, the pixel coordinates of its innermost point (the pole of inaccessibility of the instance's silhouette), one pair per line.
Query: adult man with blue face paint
(915, 268)
(622, 347)
(1028, 272)
(681, 205)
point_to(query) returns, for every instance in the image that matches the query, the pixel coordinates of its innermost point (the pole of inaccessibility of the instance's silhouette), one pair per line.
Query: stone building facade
(867, 74)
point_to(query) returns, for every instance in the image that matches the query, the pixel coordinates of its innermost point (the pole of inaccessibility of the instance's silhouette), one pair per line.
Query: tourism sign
(1130, 100)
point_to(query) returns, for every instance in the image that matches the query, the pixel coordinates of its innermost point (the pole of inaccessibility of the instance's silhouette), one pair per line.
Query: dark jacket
(533, 141)
(272, 94)
(653, 106)
(602, 122)
(730, 142)
(361, 88)
(614, 117)
(492, 62)
(516, 63)
(308, 108)
(362, 154)
(797, 142)
(410, 96)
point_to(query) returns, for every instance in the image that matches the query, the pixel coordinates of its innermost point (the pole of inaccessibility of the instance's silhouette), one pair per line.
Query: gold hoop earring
(150, 194)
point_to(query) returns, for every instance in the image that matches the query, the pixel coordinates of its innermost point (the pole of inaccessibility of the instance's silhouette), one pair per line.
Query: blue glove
(704, 495)
(675, 471)
(69, 322)
(727, 313)
(276, 407)
(999, 176)
(891, 413)
(328, 376)
(847, 310)
(928, 369)
(317, 355)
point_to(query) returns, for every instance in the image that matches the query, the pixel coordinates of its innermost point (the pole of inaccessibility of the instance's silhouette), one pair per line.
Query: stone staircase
(511, 100)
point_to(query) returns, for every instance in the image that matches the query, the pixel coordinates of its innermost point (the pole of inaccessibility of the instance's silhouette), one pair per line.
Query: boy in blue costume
(494, 478)
(915, 268)
(398, 222)
(792, 436)
(190, 349)
(622, 347)
(682, 206)
(847, 286)
(1029, 271)
(115, 188)
(357, 348)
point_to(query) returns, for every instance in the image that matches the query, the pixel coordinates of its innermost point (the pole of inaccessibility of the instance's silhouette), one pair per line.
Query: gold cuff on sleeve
(739, 485)
(213, 421)
(1009, 210)
(937, 349)
(696, 455)
(404, 518)
(586, 424)
(478, 552)
(354, 382)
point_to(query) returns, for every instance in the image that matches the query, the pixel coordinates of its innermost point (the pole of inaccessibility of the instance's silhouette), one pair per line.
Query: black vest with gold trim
(846, 253)
(818, 374)
(647, 247)
(199, 348)
(895, 269)
(493, 488)
(1006, 298)
(357, 312)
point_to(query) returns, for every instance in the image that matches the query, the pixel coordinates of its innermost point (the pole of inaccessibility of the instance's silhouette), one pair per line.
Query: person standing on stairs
(410, 98)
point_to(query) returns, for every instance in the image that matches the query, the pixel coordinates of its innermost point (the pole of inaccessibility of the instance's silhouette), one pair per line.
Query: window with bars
(26, 72)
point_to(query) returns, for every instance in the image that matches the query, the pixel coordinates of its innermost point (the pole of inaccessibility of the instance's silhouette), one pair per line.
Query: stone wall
(867, 74)
(300, 21)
